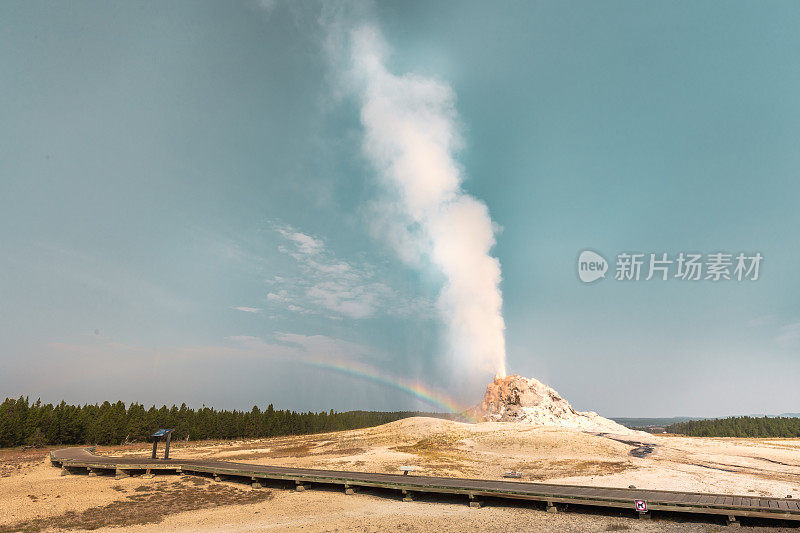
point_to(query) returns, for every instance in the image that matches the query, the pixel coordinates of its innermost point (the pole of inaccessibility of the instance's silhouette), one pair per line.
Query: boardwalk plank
(615, 497)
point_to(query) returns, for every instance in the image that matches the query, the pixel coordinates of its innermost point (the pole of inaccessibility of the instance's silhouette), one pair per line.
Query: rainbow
(412, 388)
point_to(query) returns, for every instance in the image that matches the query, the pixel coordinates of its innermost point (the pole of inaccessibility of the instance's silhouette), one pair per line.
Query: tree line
(38, 424)
(739, 426)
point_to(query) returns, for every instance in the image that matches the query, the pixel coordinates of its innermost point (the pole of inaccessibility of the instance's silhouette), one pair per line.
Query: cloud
(247, 341)
(350, 299)
(306, 244)
(330, 347)
(248, 309)
(789, 335)
(334, 287)
(760, 321)
(293, 346)
(322, 284)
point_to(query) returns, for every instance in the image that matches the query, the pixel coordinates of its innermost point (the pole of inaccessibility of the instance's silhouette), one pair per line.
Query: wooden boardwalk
(73, 460)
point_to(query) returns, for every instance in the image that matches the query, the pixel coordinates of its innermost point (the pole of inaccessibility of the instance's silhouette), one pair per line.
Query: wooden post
(155, 445)
(473, 503)
(166, 446)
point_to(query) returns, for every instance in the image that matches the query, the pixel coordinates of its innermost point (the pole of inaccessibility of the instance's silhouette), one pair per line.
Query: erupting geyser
(411, 138)
(518, 399)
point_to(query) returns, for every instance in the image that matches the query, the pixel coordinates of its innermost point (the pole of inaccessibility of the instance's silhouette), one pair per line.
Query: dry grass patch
(540, 470)
(300, 450)
(14, 460)
(151, 504)
(277, 452)
(433, 448)
(342, 452)
(441, 455)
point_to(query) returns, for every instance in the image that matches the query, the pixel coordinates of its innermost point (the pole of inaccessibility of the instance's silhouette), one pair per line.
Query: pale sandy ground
(33, 495)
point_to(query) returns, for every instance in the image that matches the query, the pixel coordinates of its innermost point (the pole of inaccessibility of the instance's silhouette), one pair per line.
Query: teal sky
(186, 213)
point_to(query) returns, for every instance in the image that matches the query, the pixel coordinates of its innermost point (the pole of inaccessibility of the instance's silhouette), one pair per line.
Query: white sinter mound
(519, 399)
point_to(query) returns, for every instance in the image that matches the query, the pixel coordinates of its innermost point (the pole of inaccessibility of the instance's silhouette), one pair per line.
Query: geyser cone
(518, 399)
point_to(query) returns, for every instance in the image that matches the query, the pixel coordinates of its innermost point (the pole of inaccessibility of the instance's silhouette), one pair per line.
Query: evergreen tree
(740, 426)
(38, 424)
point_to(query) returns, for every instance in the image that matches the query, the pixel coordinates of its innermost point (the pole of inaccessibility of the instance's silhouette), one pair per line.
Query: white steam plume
(411, 137)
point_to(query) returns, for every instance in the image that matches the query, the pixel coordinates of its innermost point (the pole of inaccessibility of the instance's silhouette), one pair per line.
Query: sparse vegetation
(441, 453)
(145, 507)
(552, 468)
(442, 447)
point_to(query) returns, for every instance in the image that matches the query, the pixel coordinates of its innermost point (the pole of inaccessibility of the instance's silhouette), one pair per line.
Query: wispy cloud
(306, 244)
(338, 288)
(788, 335)
(760, 321)
(248, 309)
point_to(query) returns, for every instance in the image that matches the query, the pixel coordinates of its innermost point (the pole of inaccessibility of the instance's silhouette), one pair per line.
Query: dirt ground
(34, 497)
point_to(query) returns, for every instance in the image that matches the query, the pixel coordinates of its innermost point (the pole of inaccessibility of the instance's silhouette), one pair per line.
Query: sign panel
(641, 505)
